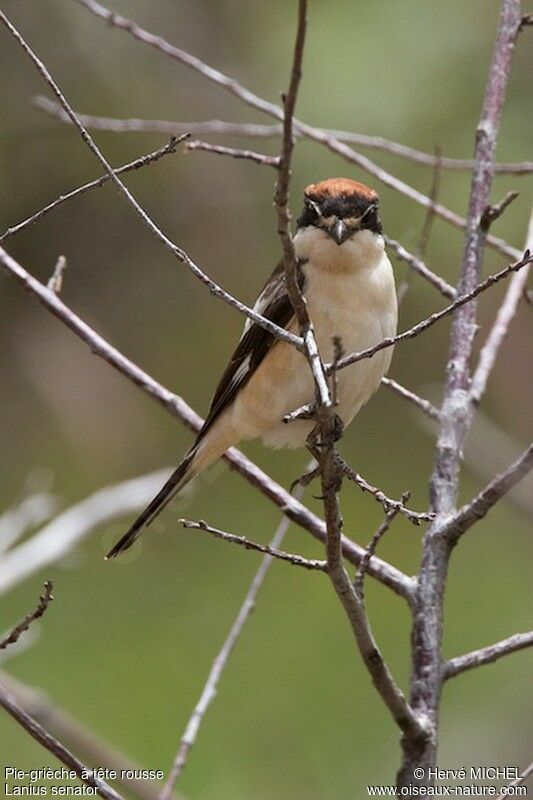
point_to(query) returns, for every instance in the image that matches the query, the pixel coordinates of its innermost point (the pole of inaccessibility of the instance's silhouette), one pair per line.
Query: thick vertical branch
(456, 414)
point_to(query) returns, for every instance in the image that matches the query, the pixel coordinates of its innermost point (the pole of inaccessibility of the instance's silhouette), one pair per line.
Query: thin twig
(416, 517)
(44, 601)
(421, 268)
(291, 558)
(143, 161)
(292, 508)
(37, 732)
(176, 251)
(315, 134)
(493, 212)
(55, 283)
(424, 324)
(487, 655)
(219, 664)
(498, 332)
(250, 155)
(526, 772)
(331, 478)
(429, 219)
(372, 546)
(281, 200)
(83, 740)
(419, 402)
(308, 409)
(427, 227)
(477, 508)
(250, 129)
(426, 637)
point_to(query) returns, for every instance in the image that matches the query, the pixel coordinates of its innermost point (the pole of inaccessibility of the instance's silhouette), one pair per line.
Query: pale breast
(358, 305)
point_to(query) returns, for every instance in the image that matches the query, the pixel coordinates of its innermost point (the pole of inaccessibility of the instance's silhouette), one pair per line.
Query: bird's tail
(203, 453)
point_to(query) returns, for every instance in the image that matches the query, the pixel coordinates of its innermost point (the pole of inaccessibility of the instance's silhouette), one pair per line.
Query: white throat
(364, 250)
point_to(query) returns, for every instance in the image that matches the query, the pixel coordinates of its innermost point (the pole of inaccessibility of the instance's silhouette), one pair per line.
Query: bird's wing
(274, 304)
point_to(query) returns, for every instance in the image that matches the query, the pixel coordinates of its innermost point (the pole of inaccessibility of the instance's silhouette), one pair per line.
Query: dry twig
(176, 251)
(307, 131)
(44, 601)
(219, 664)
(291, 558)
(426, 677)
(37, 732)
(251, 129)
(143, 161)
(487, 655)
(477, 508)
(424, 324)
(175, 404)
(498, 332)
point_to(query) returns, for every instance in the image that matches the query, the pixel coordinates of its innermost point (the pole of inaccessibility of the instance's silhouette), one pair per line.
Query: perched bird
(348, 282)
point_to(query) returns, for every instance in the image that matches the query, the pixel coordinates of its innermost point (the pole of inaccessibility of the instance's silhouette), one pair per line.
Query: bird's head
(340, 208)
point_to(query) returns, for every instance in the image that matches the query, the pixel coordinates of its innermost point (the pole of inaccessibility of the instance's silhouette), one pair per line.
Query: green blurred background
(127, 645)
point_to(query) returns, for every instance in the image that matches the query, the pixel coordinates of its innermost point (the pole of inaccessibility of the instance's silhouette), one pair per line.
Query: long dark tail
(179, 478)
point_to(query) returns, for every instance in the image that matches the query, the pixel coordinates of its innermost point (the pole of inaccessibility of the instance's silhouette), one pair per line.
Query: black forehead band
(344, 206)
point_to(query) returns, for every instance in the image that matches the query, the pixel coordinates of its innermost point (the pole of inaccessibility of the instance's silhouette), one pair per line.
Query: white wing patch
(241, 371)
(274, 290)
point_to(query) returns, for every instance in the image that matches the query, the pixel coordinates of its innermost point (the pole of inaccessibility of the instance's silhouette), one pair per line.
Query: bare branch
(250, 129)
(176, 251)
(292, 508)
(493, 212)
(44, 601)
(291, 558)
(143, 161)
(219, 664)
(55, 284)
(455, 419)
(306, 411)
(426, 637)
(422, 326)
(331, 477)
(420, 402)
(69, 528)
(281, 199)
(372, 546)
(250, 155)
(477, 508)
(487, 655)
(315, 134)
(419, 267)
(504, 317)
(37, 732)
(529, 769)
(76, 735)
(416, 517)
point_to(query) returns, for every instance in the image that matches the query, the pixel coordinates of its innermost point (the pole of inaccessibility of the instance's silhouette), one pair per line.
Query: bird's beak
(340, 232)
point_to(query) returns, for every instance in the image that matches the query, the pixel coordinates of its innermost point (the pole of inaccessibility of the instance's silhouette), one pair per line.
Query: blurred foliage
(127, 645)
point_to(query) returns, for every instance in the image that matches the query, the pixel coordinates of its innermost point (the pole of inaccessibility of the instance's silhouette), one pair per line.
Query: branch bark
(426, 679)
(44, 601)
(292, 508)
(250, 129)
(37, 732)
(219, 664)
(487, 655)
(315, 134)
(176, 251)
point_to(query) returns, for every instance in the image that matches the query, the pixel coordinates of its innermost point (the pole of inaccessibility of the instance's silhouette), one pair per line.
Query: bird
(347, 280)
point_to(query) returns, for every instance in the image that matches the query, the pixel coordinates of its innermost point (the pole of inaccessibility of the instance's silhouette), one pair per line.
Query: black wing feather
(274, 304)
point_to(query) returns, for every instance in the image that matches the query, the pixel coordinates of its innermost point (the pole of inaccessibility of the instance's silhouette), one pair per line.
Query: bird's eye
(313, 208)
